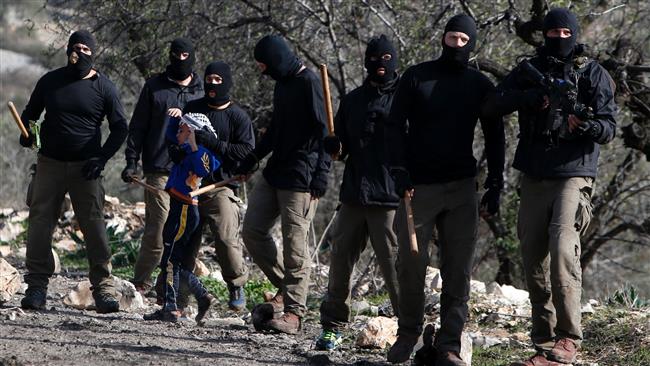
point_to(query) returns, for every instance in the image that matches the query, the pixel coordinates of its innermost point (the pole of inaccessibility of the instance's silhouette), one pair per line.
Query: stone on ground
(10, 281)
(81, 297)
(379, 332)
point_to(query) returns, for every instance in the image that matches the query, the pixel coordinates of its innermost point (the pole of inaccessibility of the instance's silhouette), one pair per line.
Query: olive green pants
(53, 179)
(288, 267)
(552, 214)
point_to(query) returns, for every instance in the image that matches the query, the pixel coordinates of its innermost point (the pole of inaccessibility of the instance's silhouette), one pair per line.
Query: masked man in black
(559, 165)
(220, 208)
(367, 192)
(76, 99)
(171, 89)
(432, 160)
(294, 178)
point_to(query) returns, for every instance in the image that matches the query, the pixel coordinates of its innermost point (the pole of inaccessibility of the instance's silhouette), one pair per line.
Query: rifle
(563, 101)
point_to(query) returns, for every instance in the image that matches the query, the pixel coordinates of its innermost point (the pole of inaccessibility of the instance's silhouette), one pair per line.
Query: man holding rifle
(432, 161)
(76, 99)
(220, 208)
(171, 89)
(566, 110)
(294, 178)
(367, 192)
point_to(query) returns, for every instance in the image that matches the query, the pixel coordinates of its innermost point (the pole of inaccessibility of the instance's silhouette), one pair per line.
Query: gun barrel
(533, 72)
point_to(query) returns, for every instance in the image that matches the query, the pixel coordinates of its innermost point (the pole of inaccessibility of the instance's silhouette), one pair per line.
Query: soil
(62, 335)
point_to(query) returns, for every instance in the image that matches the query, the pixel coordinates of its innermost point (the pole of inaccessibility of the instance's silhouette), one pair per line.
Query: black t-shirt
(74, 111)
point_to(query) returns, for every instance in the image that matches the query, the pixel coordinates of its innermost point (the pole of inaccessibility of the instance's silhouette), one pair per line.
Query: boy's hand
(191, 139)
(174, 112)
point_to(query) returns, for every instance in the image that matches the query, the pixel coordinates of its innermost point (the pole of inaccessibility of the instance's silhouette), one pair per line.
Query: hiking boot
(401, 350)
(106, 303)
(277, 301)
(164, 316)
(35, 299)
(236, 298)
(536, 360)
(449, 358)
(329, 340)
(204, 305)
(564, 351)
(288, 323)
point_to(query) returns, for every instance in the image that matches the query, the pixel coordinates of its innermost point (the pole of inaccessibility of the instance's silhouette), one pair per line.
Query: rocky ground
(69, 332)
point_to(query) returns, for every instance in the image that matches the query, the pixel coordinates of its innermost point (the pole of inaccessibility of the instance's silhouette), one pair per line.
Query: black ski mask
(377, 47)
(459, 57)
(180, 69)
(80, 64)
(557, 46)
(221, 91)
(280, 61)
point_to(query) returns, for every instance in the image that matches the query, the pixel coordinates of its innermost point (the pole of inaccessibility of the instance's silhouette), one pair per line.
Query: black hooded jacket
(149, 121)
(577, 157)
(359, 124)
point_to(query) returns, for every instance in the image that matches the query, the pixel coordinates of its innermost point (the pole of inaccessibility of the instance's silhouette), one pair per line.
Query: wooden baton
(210, 187)
(413, 240)
(328, 99)
(14, 113)
(144, 185)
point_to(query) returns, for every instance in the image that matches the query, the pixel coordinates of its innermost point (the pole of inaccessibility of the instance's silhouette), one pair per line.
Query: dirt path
(65, 336)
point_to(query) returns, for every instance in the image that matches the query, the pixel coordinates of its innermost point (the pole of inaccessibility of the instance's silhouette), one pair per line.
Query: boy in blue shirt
(192, 162)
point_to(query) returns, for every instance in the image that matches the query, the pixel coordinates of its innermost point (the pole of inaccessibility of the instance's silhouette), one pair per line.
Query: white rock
(118, 224)
(379, 332)
(200, 269)
(594, 302)
(81, 297)
(359, 306)
(436, 283)
(10, 281)
(57, 262)
(431, 274)
(217, 275)
(21, 253)
(5, 251)
(66, 245)
(6, 212)
(466, 348)
(112, 200)
(493, 288)
(483, 341)
(10, 230)
(20, 216)
(477, 287)
(587, 309)
(514, 295)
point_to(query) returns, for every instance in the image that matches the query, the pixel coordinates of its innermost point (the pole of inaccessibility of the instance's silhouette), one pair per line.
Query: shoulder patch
(205, 159)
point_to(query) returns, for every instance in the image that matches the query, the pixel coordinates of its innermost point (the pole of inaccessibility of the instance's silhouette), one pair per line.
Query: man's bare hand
(174, 112)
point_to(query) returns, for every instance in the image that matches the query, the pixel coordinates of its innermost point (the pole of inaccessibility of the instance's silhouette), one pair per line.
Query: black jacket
(359, 124)
(235, 133)
(442, 106)
(149, 121)
(295, 134)
(74, 111)
(577, 157)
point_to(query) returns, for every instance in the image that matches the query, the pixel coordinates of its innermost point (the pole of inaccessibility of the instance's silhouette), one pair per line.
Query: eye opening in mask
(82, 48)
(385, 57)
(213, 79)
(181, 55)
(559, 33)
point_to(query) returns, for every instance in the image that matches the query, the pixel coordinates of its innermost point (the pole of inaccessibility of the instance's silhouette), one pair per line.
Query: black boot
(35, 299)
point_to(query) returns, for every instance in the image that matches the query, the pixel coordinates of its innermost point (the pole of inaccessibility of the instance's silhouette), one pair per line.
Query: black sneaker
(163, 316)
(106, 303)
(35, 299)
(204, 305)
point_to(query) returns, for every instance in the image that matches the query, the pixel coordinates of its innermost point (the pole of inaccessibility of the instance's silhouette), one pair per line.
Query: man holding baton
(432, 161)
(76, 99)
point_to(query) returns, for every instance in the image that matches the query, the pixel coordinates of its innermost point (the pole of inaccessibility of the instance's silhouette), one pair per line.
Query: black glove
(176, 153)
(129, 171)
(26, 141)
(332, 145)
(491, 198)
(247, 166)
(589, 128)
(93, 168)
(317, 187)
(402, 181)
(532, 99)
(207, 139)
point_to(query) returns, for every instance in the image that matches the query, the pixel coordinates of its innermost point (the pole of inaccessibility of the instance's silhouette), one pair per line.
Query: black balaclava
(222, 90)
(459, 57)
(378, 47)
(560, 18)
(180, 69)
(280, 61)
(79, 64)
